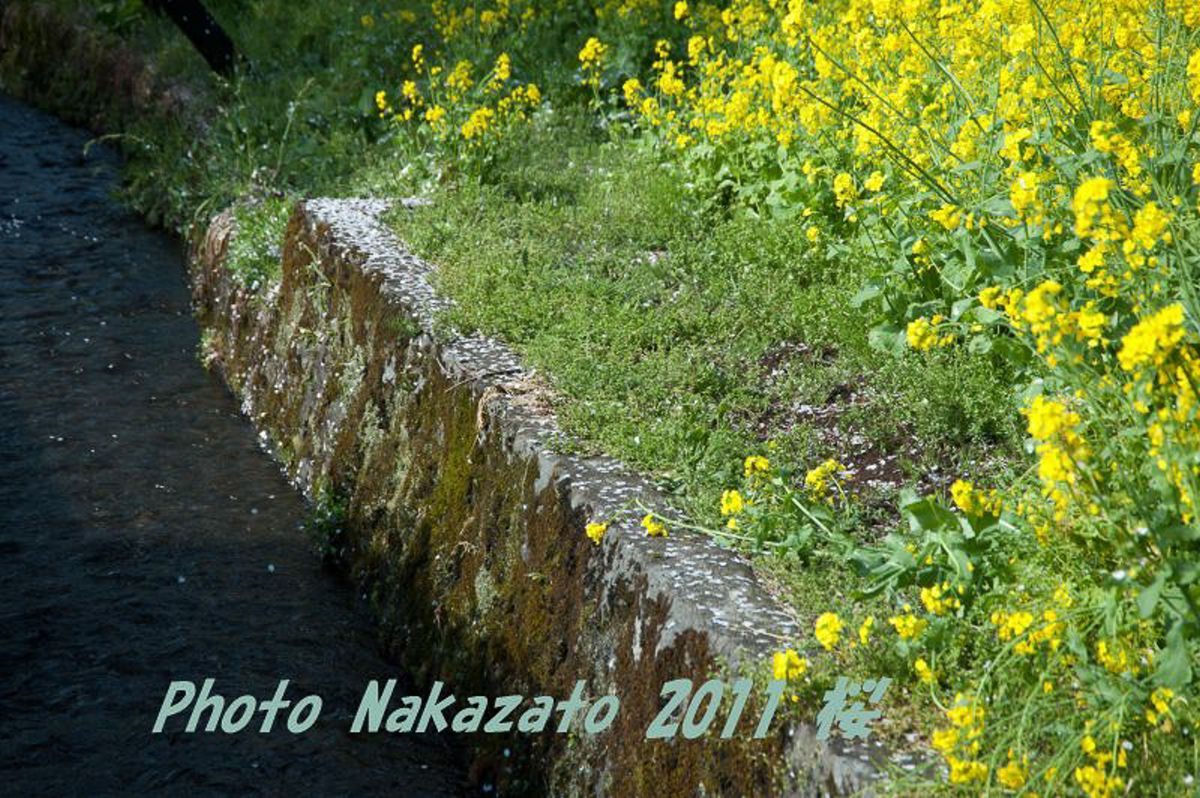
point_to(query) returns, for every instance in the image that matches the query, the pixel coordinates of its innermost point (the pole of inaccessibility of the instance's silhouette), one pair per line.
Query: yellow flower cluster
(756, 466)
(788, 665)
(478, 122)
(828, 630)
(907, 625)
(940, 599)
(924, 334)
(1116, 658)
(1014, 773)
(819, 479)
(591, 59)
(959, 743)
(1160, 705)
(975, 502)
(457, 103)
(732, 505)
(1060, 448)
(864, 630)
(654, 528)
(1095, 783)
(595, 531)
(1152, 340)
(1014, 626)
(1097, 779)
(923, 671)
(732, 502)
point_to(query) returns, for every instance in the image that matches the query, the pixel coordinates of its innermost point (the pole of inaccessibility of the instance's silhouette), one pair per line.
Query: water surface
(144, 535)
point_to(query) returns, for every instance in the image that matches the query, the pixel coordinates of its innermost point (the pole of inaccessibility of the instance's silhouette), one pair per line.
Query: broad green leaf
(1147, 600)
(979, 345)
(1174, 662)
(866, 294)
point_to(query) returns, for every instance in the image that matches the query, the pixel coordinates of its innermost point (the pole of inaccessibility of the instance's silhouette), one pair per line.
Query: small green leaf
(1177, 533)
(960, 307)
(1174, 664)
(866, 294)
(927, 515)
(979, 345)
(983, 315)
(1186, 571)
(1147, 600)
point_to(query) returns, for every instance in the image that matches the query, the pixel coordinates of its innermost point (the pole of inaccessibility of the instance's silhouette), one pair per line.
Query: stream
(145, 536)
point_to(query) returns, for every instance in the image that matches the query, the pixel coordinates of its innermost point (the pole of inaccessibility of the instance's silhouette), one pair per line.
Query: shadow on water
(144, 535)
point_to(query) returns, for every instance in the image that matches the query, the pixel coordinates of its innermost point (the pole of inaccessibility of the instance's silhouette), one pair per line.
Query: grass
(682, 338)
(254, 252)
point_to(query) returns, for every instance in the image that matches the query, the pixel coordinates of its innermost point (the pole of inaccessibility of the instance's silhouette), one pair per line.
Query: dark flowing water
(144, 536)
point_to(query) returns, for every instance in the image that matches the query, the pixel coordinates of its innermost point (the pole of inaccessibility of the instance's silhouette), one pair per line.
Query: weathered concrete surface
(467, 526)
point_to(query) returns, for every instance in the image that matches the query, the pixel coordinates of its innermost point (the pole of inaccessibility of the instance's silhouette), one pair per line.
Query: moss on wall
(471, 551)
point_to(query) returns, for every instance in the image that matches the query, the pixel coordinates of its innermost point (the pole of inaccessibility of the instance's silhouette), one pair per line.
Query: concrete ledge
(467, 525)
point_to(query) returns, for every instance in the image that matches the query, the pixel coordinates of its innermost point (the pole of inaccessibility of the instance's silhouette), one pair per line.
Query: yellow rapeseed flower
(654, 527)
(593, 52)
(1152, 339)
(788, 665)
(948, 216)
(732, 502)
(908, 626)
(945, 740)
(818, 479)
(864, 630)
(756, 464)
(966, 771)
(923, 671)
(923, 334)
(1193, 73)
(1014, 774)
(632, 89)
(966, 713)
(595, 531)
(828, 630)
(843, 189)
(991, 297)
(478, 123)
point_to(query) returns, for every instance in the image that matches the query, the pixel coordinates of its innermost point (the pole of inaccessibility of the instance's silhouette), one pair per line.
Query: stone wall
(466, 521)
